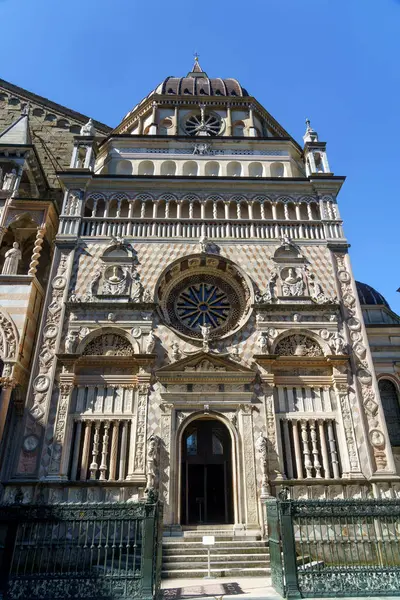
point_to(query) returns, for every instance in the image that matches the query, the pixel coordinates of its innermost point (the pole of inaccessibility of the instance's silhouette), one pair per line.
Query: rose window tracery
(200, 291)
(202, 124)
(203, 304)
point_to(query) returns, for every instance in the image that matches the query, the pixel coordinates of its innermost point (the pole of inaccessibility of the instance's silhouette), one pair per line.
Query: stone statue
(70, 342)
(338, 344)
(152, 451)
(176, 354)
(147, 297)
(262, 343)
(203, 242)
(9, 180)
(206, 333)
(88, 129)
(151, 343)
(12, 258)
(262, 449)
(268, 295)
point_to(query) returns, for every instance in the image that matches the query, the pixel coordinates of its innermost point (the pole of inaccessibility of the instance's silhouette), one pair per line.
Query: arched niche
(168, 168)
(190, 168)
(146, 167)
(234, 169)
(212, 169)
(302, 343)
(255, 169)
(124, 167)
(277, 169)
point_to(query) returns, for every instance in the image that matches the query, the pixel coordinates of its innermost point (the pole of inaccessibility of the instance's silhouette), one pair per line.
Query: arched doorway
(206, 473)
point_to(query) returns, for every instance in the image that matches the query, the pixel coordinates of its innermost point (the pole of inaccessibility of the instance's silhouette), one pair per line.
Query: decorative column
(297, 450)
(332, 448)
(306, 448)
(176, 122)
(252, 128)
(153, 124)
(95, 450)
(36, 250)
(77, 444)
(314, 446)
(17, 180)
(246, 418)
(86, 451)
(104, 451)
(124, 447)
(324, 449)
(228, 119)
(114, 451)
(288, 452)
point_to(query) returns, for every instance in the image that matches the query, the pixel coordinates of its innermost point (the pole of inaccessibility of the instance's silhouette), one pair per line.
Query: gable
(205, 366)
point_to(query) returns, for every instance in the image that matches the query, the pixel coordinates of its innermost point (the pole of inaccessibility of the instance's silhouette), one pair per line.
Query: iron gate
(90, 551)
(335, 548)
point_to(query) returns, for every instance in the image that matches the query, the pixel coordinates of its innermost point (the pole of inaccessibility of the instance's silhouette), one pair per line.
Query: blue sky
(334, 61)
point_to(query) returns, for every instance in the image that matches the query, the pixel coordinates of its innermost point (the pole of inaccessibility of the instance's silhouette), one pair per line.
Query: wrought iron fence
(90, 551)
(334, 548)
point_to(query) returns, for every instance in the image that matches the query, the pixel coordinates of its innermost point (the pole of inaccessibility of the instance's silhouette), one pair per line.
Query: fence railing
(88, 551)
(334, 548)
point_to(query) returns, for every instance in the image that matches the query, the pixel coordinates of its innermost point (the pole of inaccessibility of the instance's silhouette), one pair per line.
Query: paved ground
(220, 587)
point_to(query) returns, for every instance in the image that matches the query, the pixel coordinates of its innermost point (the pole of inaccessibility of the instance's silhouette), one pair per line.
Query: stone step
(188, 545)
(263, 550)
(191, 573)
(215, 564)
(215, 557)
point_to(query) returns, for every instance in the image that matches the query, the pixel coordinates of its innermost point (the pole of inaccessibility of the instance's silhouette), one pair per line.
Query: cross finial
(196, 56)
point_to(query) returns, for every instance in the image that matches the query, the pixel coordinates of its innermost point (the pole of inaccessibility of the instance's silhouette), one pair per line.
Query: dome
(369, 296)
(197, 83)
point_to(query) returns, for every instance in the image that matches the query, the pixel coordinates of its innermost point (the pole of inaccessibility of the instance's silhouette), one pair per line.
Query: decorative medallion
(30, 443)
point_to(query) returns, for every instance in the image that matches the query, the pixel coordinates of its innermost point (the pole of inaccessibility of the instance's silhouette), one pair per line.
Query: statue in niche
(292, 282)
(12, 258)
(70, 342)
(9, 180)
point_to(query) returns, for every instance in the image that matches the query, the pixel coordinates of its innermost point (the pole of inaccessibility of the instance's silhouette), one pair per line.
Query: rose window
(203, 304)
(201, 124)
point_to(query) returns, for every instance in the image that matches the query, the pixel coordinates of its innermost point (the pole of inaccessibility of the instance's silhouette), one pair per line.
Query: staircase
(231, 556)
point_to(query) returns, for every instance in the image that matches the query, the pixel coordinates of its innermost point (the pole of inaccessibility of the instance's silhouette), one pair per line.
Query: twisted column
(37, 249)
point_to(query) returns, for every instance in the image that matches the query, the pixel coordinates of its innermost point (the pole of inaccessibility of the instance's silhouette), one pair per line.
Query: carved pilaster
(275, 468)
(367, 389)
(61, 443)
(351, 455)
(165, 483)
(246, 418)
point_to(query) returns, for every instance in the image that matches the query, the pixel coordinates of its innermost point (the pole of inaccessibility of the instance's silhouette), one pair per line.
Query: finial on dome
(310, 135)
(196, 67)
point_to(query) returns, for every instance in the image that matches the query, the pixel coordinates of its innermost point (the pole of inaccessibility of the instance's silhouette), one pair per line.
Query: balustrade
(310, 448)
(106, 441)
(302, 230)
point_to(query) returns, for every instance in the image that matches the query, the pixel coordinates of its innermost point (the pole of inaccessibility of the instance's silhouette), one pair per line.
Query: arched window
(391, 408)
(238, 129)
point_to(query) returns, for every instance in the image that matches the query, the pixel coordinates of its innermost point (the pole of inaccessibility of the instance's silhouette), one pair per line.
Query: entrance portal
(206, 473)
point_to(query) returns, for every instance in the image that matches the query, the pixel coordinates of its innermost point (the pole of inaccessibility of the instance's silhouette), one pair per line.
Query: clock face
(31, 442)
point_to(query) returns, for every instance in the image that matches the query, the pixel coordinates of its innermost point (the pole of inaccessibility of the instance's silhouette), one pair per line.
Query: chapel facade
(190, 326)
